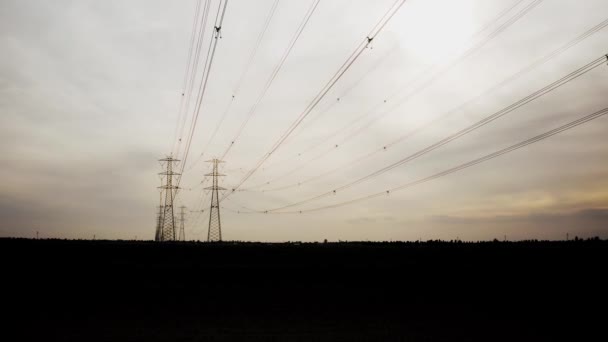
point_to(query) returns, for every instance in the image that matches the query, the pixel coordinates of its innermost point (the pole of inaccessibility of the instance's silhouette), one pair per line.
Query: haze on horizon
(90, 91)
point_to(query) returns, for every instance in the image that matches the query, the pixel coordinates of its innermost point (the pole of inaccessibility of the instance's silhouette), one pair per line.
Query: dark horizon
(575, 238)
(147, 291)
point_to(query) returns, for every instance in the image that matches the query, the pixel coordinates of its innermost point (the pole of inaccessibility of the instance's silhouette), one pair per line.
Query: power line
(257, 44)
(469, 52)
(478, 32)
(474, 48)
(499, 16)
(423, 85)
(463, 166)
(273, 75)
(193, 73)
(247, 209)
(240, 81)
(327, 87)
(545, 90)
(339, 99)
(219, 19)
(420, 128)
(201, 194)
(187, 72)
(345, 92)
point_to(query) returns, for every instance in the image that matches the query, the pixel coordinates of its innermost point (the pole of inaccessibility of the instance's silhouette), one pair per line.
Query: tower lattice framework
(215, 224)
(167, 226)
(182, 220)
(159, 220)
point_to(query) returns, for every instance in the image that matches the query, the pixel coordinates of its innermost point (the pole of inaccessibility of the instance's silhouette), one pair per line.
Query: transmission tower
(215, 224)
(182, 233)
(167, 226)
(159, 220)
(159, 216)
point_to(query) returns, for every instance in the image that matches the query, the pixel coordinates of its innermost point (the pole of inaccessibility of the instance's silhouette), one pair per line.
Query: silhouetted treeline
(340, 242)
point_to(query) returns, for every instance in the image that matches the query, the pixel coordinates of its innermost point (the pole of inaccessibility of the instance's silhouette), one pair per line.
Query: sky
(90, 97)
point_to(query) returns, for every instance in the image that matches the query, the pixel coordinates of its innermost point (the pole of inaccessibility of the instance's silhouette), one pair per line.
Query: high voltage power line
(473, 36)
(458, 109)
(424, 84)
(348, 89)
(219, 19)
(571, 76)
(187, 72)
(326, 88)
(432, 78)
(345, 92)
(241, 78)
(457, 168)
(273, 75)
(192, 70)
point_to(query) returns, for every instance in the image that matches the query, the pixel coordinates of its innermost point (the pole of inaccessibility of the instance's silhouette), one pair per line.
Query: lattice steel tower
(159, 220)
(215, 224)
(182, 219)
(159, 216)
(167, 231)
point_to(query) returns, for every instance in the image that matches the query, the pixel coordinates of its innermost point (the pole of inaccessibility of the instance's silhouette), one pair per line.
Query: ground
(60, 290)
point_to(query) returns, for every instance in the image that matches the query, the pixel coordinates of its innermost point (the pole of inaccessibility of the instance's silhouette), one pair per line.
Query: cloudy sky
(90, 93)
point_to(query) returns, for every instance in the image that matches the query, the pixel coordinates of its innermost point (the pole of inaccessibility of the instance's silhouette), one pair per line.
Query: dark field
(56, 290)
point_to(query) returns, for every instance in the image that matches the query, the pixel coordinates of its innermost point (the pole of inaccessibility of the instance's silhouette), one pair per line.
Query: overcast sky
(90, 91)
